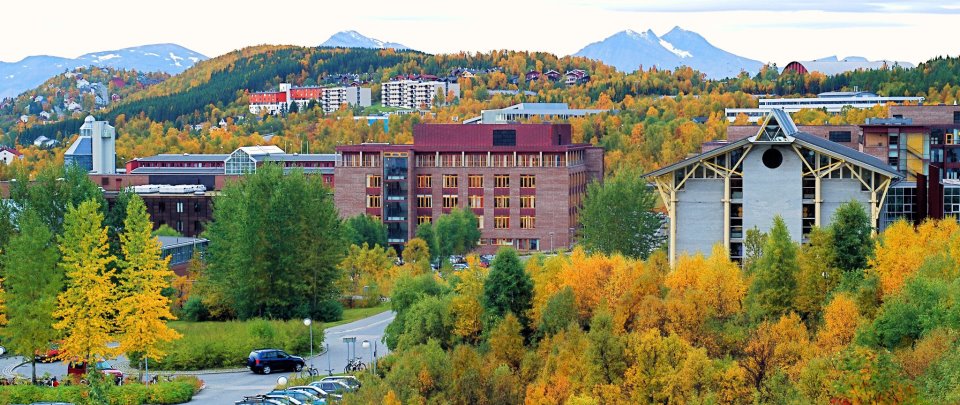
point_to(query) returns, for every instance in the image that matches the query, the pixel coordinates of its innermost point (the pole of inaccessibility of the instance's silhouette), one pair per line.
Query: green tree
(508, 288)
(426, 232)
(560, 311)
(851, 234)
(143, 309)
(753, 248)
(817, 276)
(774, 284)
(457, 233)
(54, 189)
(365, 229)
(32, 284)
(607, 352)
(166, 230)
(617, 216)
(87, 308)
(274, 233)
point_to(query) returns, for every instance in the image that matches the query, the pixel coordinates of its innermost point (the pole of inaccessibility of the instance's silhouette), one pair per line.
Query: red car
(49, 355)
(79, 369)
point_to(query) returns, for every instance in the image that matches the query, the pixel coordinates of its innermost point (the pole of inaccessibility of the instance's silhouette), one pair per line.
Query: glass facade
(901, 203)
(239, 162)
(395, 192)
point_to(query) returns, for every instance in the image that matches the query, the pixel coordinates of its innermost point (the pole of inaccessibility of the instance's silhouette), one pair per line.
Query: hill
(629, 50)
(17, 77)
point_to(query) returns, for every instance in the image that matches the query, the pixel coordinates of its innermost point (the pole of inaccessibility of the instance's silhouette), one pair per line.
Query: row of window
(473, 201)
(499, 222)
(453, 181)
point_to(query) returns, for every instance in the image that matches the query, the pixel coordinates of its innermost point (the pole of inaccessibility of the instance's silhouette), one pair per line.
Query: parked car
(267, 361)
(283, 399)
(78, 369)
(49, 355)
(299, 395)
(258, 400)
(334, 389)
(313, 390)
(460, 266)
(348, 380)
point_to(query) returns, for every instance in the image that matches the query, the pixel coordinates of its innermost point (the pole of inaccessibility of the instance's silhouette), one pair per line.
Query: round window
(772, 158)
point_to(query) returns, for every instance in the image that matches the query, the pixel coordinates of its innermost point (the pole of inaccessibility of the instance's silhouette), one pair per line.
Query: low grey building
(714, 197)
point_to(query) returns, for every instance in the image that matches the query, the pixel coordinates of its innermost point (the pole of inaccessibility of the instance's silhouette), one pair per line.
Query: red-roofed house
(8, 154)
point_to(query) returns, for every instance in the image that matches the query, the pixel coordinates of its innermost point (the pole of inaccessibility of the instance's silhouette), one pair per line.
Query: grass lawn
(209, 345)
(353, 314)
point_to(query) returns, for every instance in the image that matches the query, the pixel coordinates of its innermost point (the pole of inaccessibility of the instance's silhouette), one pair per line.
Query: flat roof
(169, 242)
(178, 170)
(185, 157)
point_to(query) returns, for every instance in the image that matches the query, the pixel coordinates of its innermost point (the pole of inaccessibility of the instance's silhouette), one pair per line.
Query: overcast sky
(766, 30)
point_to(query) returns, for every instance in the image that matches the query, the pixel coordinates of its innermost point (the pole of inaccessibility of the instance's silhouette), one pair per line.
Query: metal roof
(169, 242)
(294, 157)
(82, 146)
(789, 128)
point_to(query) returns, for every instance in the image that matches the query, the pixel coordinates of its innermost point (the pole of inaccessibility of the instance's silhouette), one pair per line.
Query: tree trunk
(33, 372)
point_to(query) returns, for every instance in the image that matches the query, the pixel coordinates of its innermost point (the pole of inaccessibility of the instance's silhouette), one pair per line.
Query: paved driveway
(225, 388)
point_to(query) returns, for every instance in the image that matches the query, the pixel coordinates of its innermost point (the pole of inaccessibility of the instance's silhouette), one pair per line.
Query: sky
(766, 30)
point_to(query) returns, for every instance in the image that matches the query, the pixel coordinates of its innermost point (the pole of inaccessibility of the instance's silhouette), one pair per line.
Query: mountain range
(353, 39)
(17, 77)
(629, 50)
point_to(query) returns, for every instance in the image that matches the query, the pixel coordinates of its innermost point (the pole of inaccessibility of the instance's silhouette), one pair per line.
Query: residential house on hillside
(8, 155)
(552, 75)
(44, 142)
(576, 76)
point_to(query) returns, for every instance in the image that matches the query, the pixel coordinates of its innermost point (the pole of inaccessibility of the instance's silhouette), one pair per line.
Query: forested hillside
(661, 115)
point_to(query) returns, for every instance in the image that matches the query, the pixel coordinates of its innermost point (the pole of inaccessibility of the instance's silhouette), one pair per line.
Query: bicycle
(166, 377)
(308, 372)
(354, 366)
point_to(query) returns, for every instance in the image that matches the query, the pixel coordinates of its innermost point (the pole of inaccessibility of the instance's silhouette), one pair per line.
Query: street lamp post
(309, 322)
(551, 241)
(373, 361)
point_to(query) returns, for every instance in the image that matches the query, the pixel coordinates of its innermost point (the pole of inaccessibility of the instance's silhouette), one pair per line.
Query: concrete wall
(699, 216)
(839, 191)
(771, 192)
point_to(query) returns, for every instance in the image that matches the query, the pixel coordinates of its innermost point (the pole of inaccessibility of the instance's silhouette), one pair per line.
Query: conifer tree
(508, 288)
(775, 283)
(86, 309)
(143, 309)
(32, 283)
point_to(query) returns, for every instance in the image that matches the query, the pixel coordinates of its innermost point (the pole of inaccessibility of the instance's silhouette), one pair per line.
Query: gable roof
(778, 127)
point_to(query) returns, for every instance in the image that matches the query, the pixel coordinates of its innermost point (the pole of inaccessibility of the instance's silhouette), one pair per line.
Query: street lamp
(373, 358)
(551, 241)
(309, 322)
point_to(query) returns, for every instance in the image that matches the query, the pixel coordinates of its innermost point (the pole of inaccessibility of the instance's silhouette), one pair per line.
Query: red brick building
(525, 183)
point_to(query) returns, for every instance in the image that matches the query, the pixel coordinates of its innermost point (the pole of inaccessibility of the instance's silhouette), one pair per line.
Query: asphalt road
(225, 388)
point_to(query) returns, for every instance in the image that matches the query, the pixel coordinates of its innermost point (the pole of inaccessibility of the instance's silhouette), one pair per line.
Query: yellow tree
(144, 310)
(86, 308)
(466, 307)
(840, 320)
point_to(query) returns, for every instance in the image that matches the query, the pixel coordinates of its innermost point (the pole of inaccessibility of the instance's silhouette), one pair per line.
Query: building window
(501, 201)
(956, 117)
(527, 222)
(450, 181)
(479, 221)
(451, 201)
(528, 182)
(179, 206)
(528, 201)
(373, 181)
(504, 242)
(179, 226)
(373, 201)
(375, 217)
(504, 137)
(476, 201)
(424, 219)
(424, 181)
(501, 222)
(424, 201)
(476, 181)
(840, 136)
(501, 181)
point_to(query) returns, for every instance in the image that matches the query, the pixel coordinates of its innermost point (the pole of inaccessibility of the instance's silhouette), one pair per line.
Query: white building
(103, 144)
(8, 155)
(415, 94)
(525, 111)
(330, 99)
(834, 102)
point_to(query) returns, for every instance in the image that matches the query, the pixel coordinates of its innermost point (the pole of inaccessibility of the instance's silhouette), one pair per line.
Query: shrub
(330, 311)
(178, 391)
(194, 310)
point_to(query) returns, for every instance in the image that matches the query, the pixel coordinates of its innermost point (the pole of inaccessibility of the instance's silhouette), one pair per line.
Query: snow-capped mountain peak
(353, 39)
(629, 50)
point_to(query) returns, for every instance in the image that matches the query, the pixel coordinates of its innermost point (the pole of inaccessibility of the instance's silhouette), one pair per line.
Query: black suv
(267, 360)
